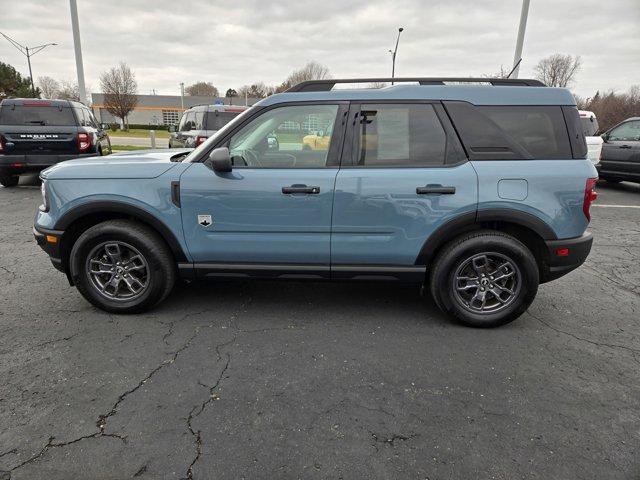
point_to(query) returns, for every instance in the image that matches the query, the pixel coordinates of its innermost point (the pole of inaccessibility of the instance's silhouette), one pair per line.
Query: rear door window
(399, 135)
(34, 115)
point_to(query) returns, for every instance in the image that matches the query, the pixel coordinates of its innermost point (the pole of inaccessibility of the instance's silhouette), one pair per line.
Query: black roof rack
(328, 84)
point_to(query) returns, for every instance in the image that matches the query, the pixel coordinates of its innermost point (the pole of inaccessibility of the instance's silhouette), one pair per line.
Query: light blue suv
(478, 189)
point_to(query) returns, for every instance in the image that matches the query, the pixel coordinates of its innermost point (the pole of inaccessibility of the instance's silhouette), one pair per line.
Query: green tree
(12, 84)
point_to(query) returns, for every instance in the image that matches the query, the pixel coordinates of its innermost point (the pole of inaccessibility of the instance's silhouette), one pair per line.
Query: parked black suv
(35, 134)
(620, 159)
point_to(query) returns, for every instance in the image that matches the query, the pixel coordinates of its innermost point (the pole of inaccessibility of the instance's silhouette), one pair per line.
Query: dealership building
(160, 109)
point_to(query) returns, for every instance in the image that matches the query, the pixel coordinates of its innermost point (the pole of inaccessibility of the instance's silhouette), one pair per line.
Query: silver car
(200, 122)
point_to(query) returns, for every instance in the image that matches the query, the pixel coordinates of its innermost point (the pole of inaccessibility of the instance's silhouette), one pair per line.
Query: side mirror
(272, 143)
(219, 160)
(605, 137)
(171, 128)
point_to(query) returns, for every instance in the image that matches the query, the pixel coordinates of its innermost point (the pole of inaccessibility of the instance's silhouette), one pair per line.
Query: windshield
(36, 115)
(220, 133)
(589, 126)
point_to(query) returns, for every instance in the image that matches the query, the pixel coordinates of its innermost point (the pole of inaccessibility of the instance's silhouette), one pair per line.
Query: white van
(594, 142)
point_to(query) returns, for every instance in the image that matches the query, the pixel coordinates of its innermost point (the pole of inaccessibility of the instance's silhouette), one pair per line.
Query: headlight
(45, 201)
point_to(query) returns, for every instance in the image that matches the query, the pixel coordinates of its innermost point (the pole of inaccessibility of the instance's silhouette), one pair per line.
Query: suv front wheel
(122, 266)
(484, 279)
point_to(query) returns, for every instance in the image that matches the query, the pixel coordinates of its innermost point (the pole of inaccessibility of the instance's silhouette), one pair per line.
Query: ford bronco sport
(35, 134)
(478, 189)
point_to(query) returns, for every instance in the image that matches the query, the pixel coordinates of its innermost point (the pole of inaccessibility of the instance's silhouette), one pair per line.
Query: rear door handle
(435, 190)
(625, 146)
(298, 188)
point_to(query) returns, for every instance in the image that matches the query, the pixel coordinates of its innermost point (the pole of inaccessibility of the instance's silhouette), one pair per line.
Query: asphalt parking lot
(308, 380)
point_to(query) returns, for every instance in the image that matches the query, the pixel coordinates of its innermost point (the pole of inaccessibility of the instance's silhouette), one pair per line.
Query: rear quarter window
(511, 132)
(36, 115)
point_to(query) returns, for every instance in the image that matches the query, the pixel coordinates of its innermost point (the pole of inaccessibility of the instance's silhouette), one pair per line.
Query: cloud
(232, 43)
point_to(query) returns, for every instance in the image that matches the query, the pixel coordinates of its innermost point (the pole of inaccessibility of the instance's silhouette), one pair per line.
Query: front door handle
(625, 146)
(435, 190)
(299, 188)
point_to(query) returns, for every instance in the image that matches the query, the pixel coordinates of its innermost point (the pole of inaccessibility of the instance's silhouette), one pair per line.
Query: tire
(151, 269)
(9, 180)
(454, 286)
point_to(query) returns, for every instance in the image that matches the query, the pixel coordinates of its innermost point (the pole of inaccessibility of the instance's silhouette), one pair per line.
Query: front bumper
(16, 164)
(49, 241)
(563, 256)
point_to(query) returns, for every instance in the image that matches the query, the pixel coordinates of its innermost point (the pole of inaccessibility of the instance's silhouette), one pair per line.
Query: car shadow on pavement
(324, 300)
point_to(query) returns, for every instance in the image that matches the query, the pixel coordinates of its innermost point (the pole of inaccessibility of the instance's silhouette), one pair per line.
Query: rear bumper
(565, 255)
(16, 164)
(44, 237)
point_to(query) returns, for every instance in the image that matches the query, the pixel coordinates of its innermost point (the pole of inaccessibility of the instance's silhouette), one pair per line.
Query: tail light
(590, 196)
(200, 139)
(1, 143)
(84, 141)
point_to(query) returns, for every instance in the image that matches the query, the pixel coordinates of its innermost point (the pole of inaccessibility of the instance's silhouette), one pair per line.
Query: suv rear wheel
(484, 279)
(9, 180)
(122, 266)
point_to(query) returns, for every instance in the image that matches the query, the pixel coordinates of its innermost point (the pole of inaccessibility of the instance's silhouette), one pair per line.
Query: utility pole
(393, 56)
(28, 52)
(182, 94)
(75, 26)
(517, 57)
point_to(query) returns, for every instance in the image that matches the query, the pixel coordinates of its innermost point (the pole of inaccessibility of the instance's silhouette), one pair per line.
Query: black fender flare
(471, 220)
(104, 206)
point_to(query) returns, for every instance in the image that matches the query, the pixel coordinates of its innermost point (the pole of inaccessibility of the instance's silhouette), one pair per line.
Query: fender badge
(204, 220)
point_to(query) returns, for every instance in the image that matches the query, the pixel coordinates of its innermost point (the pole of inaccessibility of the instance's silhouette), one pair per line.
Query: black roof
(327, 84)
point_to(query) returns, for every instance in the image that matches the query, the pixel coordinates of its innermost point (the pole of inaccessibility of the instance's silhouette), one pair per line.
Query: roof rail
(328, 84)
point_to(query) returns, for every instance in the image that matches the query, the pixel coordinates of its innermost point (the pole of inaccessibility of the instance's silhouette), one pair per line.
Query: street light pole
(182, 95)
(33, 88)
(75, 26)
(517, 57)
(393, 56)
(28, 52)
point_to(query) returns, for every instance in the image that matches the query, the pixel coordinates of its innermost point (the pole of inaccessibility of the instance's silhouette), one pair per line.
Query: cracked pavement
(317, 380)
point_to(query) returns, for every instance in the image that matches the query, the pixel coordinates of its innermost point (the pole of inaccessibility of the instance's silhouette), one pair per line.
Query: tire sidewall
(100, 234)
(9, 181)
(507, 246)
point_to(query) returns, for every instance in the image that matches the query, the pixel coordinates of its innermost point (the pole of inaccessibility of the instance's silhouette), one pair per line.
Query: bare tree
(120, 90)
(558, 70)
(255, 90)
(502, 73)
(49, 87)
(69, 91)
(611, 108)
(311, 71)
(204, 89)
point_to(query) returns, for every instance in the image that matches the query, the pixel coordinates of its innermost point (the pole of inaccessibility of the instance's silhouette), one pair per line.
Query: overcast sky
(236, 42)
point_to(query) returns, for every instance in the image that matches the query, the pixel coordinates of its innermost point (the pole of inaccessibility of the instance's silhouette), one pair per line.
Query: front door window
(276, 139)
